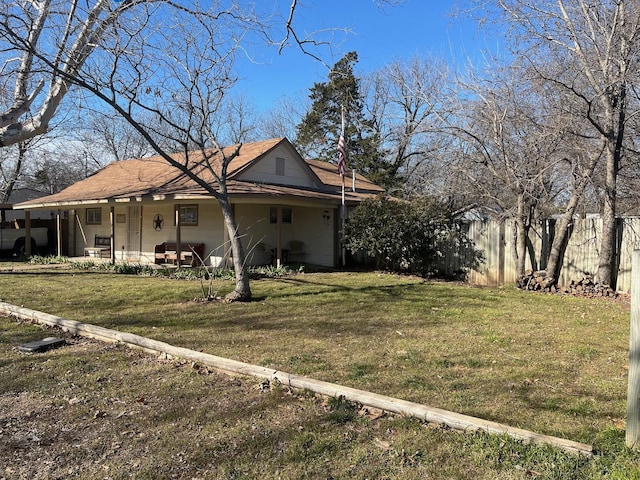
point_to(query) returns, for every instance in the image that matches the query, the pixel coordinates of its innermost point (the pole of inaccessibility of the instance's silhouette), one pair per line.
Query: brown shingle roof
(154, 176)
(328, 174)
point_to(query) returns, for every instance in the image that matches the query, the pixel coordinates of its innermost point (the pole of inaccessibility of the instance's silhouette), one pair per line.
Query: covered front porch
(192, 231)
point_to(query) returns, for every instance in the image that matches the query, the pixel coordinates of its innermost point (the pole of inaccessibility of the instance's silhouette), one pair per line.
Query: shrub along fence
(496, 239)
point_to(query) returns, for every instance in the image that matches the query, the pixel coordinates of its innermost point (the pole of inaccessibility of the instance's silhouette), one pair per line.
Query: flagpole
(344, 215)
(342, 160)
(343, 205)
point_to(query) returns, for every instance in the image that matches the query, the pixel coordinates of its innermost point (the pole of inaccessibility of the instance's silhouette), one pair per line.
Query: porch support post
(72, 236)
(27, 233)
(112, 223)
(59, 232)
(279, 237)
(178, 233)
(343, 220)
(632, 436)
(501, 252)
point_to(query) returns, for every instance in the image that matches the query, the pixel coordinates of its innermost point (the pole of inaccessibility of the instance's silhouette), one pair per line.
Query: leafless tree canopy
(164, 66)
(581, 56)
(404, 101)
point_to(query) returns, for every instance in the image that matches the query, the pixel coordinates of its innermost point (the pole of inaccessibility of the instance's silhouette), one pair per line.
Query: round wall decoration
(158, 222)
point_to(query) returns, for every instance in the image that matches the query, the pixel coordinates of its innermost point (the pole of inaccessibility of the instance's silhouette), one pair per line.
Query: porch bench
(190, 253)
(101, 247)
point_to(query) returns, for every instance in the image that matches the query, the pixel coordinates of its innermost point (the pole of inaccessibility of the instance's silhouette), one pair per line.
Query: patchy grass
(546, 363)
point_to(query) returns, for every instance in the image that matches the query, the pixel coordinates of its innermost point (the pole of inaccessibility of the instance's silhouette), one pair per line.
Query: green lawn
(552, 364)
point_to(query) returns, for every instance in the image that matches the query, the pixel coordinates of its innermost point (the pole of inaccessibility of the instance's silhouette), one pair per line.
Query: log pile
(588, 288)
(537, 282)
(541, 282)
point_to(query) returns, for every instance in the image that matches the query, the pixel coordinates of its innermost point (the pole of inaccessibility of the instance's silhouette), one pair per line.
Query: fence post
(633, 390)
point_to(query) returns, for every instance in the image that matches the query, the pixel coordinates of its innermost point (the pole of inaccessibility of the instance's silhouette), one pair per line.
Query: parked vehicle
(14, 239)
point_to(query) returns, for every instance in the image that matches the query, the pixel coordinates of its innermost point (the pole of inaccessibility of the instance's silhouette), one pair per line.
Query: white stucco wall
(295, 171)
(85, 234)
(312, 225)
(209, 230)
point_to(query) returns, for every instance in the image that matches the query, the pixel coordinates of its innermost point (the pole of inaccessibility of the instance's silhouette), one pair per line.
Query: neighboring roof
(155, 178)
(19, 195)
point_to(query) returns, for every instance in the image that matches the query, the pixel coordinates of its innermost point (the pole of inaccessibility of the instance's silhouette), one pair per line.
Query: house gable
(281, 165)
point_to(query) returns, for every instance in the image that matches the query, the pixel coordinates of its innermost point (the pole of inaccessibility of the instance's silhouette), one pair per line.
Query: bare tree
(589, 50)
(11, 161)
(106, 137)
(19, 162)
(45, 44)
(508, 149)
(169, 84)
(282, 118)
(403, 99)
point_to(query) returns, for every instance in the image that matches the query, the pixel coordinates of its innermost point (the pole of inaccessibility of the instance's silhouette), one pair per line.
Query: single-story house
(141, 210)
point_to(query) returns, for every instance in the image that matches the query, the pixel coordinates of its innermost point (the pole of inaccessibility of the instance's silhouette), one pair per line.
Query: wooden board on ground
(433, 415)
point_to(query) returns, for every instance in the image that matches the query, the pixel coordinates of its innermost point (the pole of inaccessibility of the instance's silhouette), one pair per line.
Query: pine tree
(319, 131)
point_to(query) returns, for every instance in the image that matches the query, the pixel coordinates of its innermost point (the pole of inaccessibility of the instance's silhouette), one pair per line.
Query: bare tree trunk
(521, 232)
(560, 241)
(242, 290)
(556, 253)
(607, 245)
(613, 155)
(13, 176)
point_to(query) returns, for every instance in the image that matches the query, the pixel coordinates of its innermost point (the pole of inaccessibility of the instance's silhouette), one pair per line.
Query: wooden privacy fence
(496, 239)
(633, 389)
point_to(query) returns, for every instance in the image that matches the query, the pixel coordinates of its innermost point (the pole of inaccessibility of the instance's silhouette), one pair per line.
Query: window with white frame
(286, 215)
(188, 215)
(94, 216)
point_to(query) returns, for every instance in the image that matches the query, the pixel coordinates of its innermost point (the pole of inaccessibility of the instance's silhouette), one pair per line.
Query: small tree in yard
(408, 235)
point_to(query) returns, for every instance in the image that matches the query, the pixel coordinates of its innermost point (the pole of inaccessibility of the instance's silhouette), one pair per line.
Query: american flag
(342, 153)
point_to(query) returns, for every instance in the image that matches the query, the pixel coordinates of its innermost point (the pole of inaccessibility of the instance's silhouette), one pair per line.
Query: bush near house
(409, 236)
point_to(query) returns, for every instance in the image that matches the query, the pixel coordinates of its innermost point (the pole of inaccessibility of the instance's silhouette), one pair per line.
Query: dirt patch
(94, 410)
(9, 266)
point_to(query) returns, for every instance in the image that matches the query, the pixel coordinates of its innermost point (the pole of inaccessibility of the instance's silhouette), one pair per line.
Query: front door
(134, 227)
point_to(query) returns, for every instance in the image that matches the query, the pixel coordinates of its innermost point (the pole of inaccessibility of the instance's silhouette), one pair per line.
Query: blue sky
(378, 35)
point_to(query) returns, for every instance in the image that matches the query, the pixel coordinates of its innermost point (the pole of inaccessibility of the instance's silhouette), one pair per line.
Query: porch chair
(296, 251)
(261, 254)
